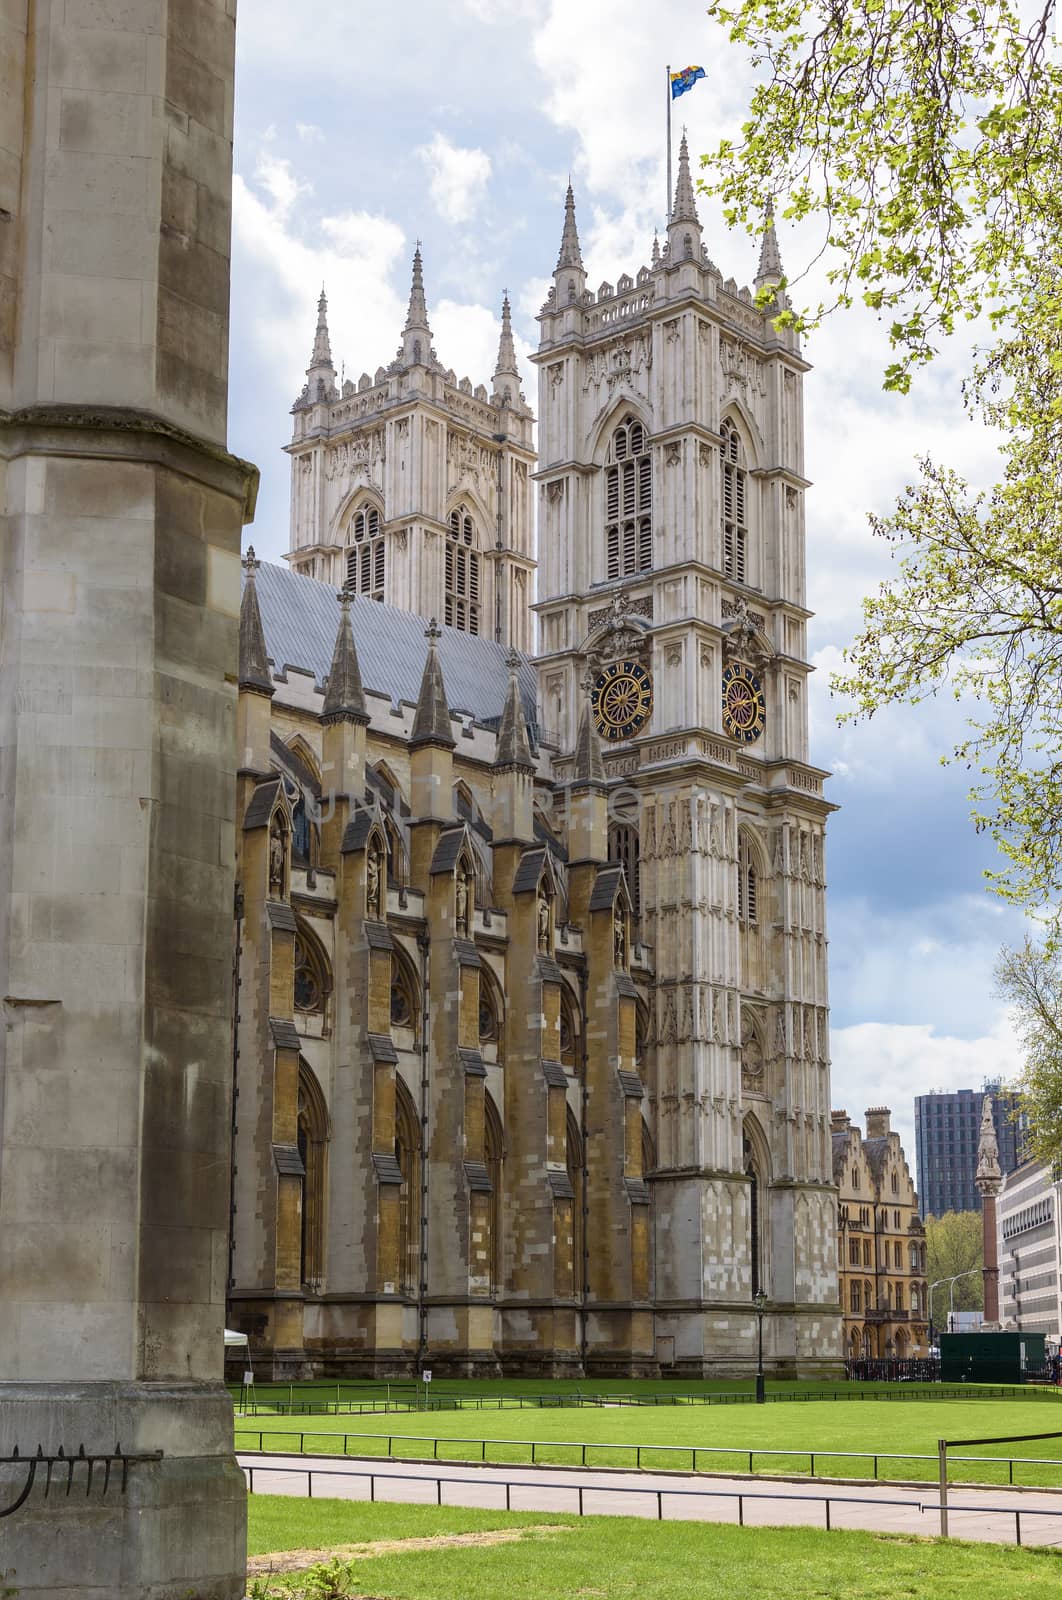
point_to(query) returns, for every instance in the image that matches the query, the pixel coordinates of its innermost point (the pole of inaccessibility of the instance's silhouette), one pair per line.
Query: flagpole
(667, 208)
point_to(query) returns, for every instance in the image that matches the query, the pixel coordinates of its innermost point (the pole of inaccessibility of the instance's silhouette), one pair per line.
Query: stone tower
(414, 487)
(671, 584)
(122, 514)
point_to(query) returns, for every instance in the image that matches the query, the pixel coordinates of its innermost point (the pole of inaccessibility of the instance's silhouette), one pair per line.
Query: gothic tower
(414, 487)
(672, 590)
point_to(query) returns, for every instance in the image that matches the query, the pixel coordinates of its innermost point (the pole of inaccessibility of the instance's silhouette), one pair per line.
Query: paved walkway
(883, 1508)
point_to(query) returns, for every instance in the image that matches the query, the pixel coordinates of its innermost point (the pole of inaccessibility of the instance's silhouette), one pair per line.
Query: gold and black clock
(622, 700)
(744, 708)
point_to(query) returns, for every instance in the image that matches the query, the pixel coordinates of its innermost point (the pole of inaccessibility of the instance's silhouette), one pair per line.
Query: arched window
(569, 1033)
(408, 1156)
(462, 574)
(856, 1296)
(628, 502)
(734, 487)
(312, 1141)
(755, 1241)
(624, 848)
(747, 900)
(490, 1014)
(494, 1150)
(574, 1161)
(313, 979)
(366, 558)
(403, 996)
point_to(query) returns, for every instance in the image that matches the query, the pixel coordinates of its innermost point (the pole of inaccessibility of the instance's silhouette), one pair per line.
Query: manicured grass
(284, 1522)
(612, 1432)
(613, 1558)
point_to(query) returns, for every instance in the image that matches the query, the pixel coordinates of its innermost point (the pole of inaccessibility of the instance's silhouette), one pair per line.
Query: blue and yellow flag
(684, 80)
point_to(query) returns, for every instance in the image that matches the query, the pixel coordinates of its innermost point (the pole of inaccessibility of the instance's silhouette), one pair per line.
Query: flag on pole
(684, 79)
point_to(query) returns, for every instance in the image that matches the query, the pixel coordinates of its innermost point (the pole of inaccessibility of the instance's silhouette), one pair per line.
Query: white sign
(248, 1379)
(426, 1374)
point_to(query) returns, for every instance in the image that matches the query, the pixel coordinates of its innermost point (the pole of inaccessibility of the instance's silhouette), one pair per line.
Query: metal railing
(580, 1491)
(691, 1452)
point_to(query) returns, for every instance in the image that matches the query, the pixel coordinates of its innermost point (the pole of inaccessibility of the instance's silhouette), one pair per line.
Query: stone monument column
(989, 1180)
(120, 521)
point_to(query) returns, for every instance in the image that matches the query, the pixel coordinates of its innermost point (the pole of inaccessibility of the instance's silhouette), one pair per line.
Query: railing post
(438, 1491)
(309, 1484)
(580, 1499)
(660, 1505)
(741, 1512)
(1017, 1526)
(372, 1486)
(827, 1514)
(942, 1461)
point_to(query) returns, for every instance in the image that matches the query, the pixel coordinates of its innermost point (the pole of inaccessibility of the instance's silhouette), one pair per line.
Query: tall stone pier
(120, 529)
(989, 1180)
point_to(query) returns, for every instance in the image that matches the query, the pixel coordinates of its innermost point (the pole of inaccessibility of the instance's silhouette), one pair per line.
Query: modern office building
(1028, 1224)
(947, 1127)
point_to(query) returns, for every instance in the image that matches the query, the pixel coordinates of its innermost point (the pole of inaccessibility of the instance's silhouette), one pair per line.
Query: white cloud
(458, 177)
(309, 132)
(876, 1060)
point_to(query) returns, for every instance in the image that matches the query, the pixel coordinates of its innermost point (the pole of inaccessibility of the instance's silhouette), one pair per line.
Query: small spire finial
(506, 372)
(321, 359)
(251, 562)
(432, 632)
(570, 254)
(415, 349)
(431, 722)
(684, 210)
(513, 749)
(345, 597)
(770, 272)
(344, 699)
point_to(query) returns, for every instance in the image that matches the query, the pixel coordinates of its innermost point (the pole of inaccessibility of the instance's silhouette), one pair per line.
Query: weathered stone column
(989, 1181)
(119, 560)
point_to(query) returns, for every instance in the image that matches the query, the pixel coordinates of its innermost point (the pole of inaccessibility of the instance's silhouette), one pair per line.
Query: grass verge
(613, 1558)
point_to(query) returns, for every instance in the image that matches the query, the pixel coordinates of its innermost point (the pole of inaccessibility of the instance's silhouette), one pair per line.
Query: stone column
(989, 1181)
(119, 561)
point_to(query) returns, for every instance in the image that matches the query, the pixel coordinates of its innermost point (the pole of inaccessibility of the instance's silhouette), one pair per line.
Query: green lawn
(613, 1558)
(612, 1433)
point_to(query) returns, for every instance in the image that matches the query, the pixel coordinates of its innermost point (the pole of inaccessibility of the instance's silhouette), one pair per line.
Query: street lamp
(759, 1300)
(951, 1282)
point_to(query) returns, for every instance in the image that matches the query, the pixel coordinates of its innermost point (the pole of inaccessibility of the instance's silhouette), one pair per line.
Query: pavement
(983, 1514)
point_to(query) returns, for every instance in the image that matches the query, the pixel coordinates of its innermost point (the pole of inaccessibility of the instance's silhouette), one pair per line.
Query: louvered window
(366, 554)
(623, 847)
(462, 574)
(628, 502)
(747, 908)
(735, 525)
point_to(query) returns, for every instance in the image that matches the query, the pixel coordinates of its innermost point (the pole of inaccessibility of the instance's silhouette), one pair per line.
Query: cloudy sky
(360, 130)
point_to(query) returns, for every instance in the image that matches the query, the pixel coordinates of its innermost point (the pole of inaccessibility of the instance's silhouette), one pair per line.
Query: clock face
(622, 700)
(744, 708)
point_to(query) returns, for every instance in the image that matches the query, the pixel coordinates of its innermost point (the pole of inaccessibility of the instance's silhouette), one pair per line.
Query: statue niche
(374, 879)
(753, 1075)
(463, 901)
(278, 856)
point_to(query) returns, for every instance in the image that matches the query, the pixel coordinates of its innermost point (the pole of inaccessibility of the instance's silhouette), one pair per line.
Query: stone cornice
(127, 433)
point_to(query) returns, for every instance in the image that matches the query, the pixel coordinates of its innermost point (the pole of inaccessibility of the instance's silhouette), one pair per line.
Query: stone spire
(431, 724)
(587, 765)
(416, 335)
(321, 373)
(989, 1172)
(570, 254)
(770, 272)
(684, 209)
(344, 699)
(254, 659)
(514, 746)
(506, 373)
(656, 249)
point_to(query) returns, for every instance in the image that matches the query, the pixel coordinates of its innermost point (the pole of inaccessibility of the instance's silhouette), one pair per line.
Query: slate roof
(299, 620)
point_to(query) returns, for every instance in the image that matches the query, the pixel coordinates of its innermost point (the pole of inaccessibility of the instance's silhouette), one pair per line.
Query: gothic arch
(494, 1151)
(301, 748)
(756, 1165)
(409, 1155)
(313, 980)
(737, 412)
(574, 1160)
(313, 1136)
(752, 894)
(470, 498)
(491, 1015)
(405, 995)
(623, 403)
(571, 1031)
(362, 495)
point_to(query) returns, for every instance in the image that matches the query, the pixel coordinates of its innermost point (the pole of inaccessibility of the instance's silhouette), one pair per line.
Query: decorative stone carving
(744, 636)
(642, 606)
(753, 1076)
(555, 490)
(619, 939)
(544, 917)
(278, 853)
(463, 901)
(374, 876)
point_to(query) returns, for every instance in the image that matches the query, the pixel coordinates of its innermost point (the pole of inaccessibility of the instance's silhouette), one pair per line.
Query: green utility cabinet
(990, 1357)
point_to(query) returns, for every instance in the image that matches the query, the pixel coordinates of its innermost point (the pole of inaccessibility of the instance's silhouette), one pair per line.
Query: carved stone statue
(277, 855)
(619, 938)
(543, 922)
(751, 1059)
(463, 901)
(373, 881)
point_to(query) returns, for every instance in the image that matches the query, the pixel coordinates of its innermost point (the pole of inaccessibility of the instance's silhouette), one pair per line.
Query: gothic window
(490, 1014)
(853, 1252)
(898, 1297)
(747, 907)
(569, 1033)
(755, 1241)
(574, 1161)
(866, 1252)
(856, 1297)
(408, 1156)
(312, 1141)
(312, 979)
(462, 574)
(403, 996)
(624, 848)
(734, 494)
(628, 502)
(366, 557)
(895, 1181)
(494, 1150)
(855, 1177)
